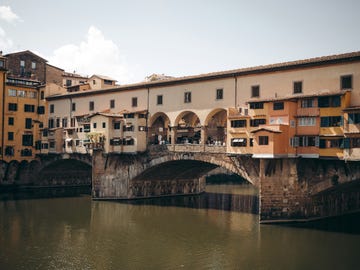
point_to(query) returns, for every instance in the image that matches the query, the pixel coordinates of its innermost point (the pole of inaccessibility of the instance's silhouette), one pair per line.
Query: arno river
(216, 230)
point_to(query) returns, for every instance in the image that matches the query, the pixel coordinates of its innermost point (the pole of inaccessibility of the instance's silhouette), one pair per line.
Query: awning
(238, 140)
(116, 140)
(68, 139)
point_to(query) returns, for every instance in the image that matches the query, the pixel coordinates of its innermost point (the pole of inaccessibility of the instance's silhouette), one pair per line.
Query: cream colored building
(199, 110)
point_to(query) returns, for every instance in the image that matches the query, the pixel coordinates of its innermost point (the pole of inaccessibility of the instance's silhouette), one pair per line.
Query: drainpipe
(147, 118)
(235, 91)
(3, 117)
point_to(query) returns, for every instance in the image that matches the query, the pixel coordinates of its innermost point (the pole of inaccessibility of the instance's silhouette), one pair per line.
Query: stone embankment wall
(303, 189)
(37, 174)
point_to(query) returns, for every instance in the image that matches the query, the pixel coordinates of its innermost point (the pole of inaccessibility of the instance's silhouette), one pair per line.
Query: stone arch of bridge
(215, 160)
(65, 172)
(159, 128)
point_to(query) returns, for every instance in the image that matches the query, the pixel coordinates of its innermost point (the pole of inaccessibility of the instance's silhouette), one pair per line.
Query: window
(108, 82)
(257, 105)
(187, 97)
(12, 107)
(128, 128)
(64, 122)
(27, 140)
(307, 103)
(72, 122)
(346, 82)
(159, 100)
(354, 118)
(86, 128)
(45, 133)
(12, 93)
(68, 83)
(10, 136)
(355, 143)
(255, 91)
(32, 94)
(307, 121)
(9, 151)
(331, 121)
(28, 123)
(263, 140)
(129, 115)
(73, 106)
(219, 94)
(22, 63)
(21, 93)
(297, 87)
(94, 81)
(52, 108)
(44, 146)
(29, 108)
(278, 106)
(307, 141)
(33, 65)
(42, 95)
(11, 121)
(103, 124)
(91, 105)
(94, 125)
(238, 142)
(332, 101)
(57, 122)
(115, 141)
(51, 123)
(41, 110)
(257, 122)
(52, 144)
(112, 103)
(129, 141)
(116, 125)
(134, 102)
(238, 123)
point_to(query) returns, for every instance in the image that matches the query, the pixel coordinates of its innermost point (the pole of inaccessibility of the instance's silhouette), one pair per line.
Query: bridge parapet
(196, 148)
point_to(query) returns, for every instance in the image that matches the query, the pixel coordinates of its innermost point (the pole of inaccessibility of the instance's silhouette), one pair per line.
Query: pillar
(203, 137)
(173, 132)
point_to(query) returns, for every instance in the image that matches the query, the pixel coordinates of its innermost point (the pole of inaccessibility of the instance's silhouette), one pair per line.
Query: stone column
(173, 132)
(203, 137)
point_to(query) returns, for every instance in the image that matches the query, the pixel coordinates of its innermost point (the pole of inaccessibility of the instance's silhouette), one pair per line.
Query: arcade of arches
(188, 129)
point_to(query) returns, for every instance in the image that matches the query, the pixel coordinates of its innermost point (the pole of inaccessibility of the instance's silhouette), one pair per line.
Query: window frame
(263, 140)
(255, 91)
(343, 83)
(91, 105)
(297, 87)
(159, 100)
(187, 97)
(134, 102)
(219, 94)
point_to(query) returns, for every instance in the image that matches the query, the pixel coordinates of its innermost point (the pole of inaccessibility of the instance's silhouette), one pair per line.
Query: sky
(131, 39)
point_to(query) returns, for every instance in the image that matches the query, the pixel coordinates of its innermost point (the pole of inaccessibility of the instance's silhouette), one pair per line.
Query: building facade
(308, 108)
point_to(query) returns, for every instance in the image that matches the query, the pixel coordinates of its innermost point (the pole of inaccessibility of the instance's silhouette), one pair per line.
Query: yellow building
(2, 95)
(332, 123)
(23, 116)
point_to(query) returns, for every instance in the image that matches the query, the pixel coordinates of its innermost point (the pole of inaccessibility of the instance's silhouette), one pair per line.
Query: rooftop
(311, 62)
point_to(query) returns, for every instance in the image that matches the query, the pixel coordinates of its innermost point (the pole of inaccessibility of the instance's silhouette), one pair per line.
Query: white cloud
(95, 55)
(8, 15)
(5, 42)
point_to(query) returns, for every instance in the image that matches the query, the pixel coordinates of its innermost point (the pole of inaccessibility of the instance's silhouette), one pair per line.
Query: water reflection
(195, 232)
